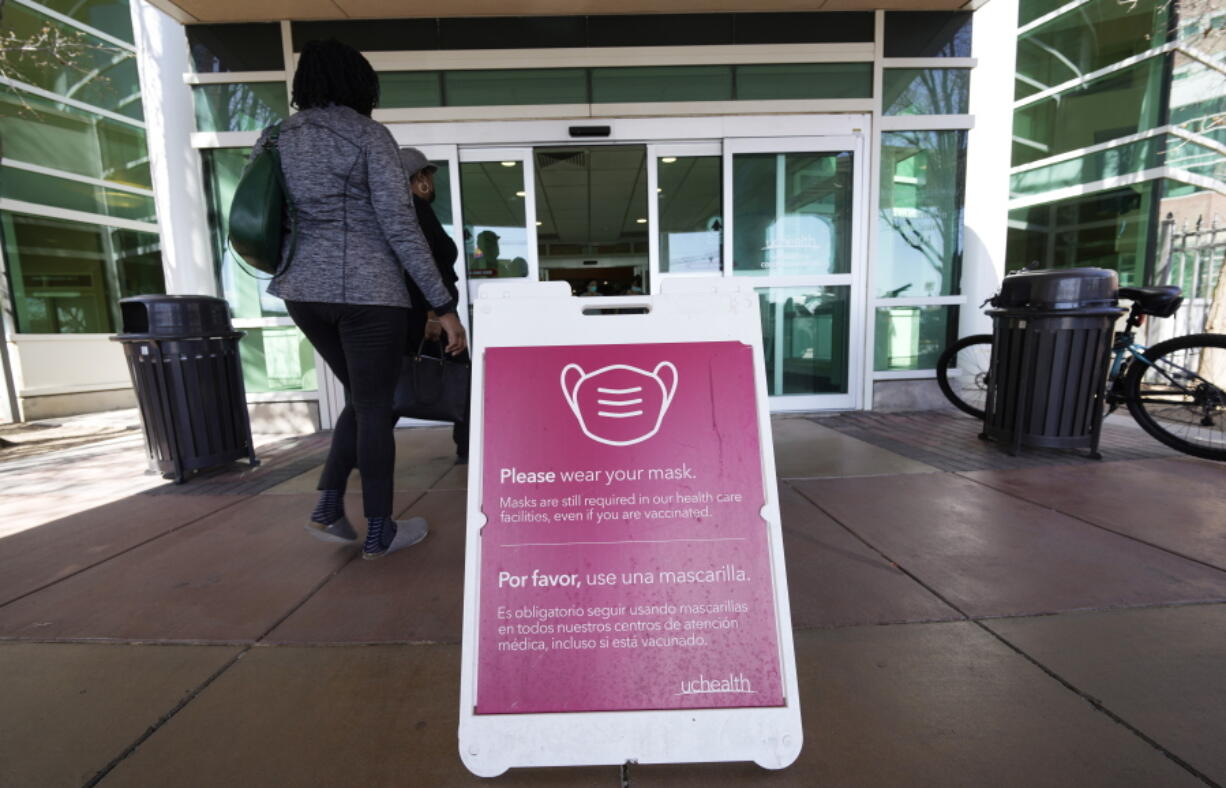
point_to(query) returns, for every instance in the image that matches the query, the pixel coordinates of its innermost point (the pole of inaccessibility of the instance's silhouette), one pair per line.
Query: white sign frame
(511, 314)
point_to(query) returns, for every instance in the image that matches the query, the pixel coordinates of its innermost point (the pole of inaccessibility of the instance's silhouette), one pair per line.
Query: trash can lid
(175, 316)
(1058, 288)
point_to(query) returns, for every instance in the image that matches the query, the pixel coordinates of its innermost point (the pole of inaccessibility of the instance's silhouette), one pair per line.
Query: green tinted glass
(64, 60)
(38, 131)
(804, 81)
(791, 213)
(399, 89)
(250, 106)
(277, 358)
(919, 229)
(912, 337)
(1198, 96)
(1115, 106)
(1123, 160)
(805, 339)
(691, 225)
(67, 276)
(1109, 229)
(248, 295)
(1096, 35)
(17, 184)
(109, 16)
(495, 228)
(525, 86)
(661, 83)
(926, 91)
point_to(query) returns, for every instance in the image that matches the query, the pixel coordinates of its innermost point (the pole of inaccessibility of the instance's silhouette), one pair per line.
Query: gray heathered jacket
(357, 230)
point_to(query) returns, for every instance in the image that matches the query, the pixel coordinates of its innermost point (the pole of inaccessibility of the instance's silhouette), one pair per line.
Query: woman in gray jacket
(344, 286)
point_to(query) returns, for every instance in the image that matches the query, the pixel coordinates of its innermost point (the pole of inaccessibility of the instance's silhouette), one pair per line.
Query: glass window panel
(926, 91)
(1106, 230)
(805, 339)
(278, 358)
(591, 211)
(138, 262)
(248, 295)
(109, 16)
(38, 131)
(513, 32)
(410, 89)
(791, 213)
(804, 81)
(1198, 96)
(660, 30)
(1125, 159)
(690, 218)
(661, 83)
(442, 194)
(249, 106)
(72, 63)
(495, 227)
(927, 34)
(35, 187)
(369, 35)
(1030, 10)
(67, 276)
(1096, 35)
(1114, 106)
(820, 27)
(919, 232)
(240, 47)
(912, 337)
(274, 358)
(524, 86)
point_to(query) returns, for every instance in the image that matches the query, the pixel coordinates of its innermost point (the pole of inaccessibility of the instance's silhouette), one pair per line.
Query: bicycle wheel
(962, 373)
(1179, 397)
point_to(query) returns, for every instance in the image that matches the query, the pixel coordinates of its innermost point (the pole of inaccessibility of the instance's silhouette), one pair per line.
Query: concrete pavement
(1042, 623)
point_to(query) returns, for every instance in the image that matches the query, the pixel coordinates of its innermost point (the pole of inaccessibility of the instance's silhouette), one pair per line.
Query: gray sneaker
(408, 533)
(338, 531)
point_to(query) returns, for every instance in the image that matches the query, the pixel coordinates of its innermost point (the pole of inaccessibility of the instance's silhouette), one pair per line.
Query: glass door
(791, 214)
(497, 210)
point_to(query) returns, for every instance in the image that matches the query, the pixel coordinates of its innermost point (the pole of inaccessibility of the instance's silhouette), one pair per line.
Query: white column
(989, 148)
(178, 179)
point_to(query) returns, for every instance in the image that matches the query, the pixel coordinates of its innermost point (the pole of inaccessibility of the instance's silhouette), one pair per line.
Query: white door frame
(524, 156)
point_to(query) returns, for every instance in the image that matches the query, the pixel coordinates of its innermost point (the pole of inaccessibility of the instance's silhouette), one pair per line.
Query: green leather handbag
(260, 210)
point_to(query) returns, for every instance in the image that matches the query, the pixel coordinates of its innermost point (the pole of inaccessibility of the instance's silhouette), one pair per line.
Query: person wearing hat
(423, 322)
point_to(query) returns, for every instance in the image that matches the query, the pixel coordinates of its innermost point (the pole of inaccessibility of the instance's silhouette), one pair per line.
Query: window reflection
(691, 228)
(495, 224)
(792, 213)
(805, 339)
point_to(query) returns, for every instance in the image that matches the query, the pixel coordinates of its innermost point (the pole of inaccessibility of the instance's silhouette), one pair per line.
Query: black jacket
(441, 247)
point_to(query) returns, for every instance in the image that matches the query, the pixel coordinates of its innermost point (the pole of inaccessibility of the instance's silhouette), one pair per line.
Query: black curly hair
(330, 72)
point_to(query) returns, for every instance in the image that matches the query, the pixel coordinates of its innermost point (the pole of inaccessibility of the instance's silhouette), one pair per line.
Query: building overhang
(222, 11)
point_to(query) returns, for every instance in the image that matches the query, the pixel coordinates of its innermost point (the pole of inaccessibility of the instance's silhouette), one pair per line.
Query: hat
(414, 161)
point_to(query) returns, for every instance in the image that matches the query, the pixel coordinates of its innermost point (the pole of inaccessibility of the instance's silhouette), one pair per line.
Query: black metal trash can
(182, 354)
(1052, 332)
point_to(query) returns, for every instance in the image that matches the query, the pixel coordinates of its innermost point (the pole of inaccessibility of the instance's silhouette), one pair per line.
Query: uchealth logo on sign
(620, 405)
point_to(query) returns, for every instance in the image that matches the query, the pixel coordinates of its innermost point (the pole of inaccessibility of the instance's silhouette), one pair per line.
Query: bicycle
(1176, 389)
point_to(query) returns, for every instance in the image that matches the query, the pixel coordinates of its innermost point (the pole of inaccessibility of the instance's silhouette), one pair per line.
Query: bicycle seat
(1156, 301)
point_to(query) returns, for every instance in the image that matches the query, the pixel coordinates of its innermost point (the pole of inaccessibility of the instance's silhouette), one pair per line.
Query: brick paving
(950, 441)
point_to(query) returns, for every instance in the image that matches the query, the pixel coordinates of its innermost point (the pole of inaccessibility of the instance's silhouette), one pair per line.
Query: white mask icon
(619, 405)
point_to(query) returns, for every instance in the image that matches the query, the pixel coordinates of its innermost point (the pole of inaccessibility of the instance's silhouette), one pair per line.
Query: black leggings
(363, 345)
